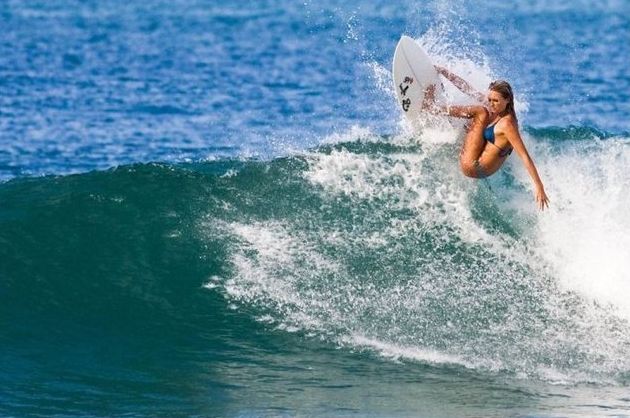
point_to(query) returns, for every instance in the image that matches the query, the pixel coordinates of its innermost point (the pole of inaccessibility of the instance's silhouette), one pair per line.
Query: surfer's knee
(472, 169)
(478, 116)
(468, 168)
(481, 115)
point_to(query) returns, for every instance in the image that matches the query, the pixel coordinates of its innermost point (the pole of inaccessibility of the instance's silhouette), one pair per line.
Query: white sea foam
(404, 181)
(585, 236)
(547, 301)
(277, 265)
(498, 302)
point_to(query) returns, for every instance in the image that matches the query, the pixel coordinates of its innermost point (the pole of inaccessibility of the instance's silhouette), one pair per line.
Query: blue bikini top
(488, 135)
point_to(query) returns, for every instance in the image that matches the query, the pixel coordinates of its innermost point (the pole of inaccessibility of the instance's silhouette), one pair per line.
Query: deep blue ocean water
(214, 209)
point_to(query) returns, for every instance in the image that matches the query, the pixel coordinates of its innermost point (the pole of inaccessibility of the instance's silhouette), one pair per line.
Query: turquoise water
(212, 210)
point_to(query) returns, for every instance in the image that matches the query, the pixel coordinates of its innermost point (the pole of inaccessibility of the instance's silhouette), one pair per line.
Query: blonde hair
(505, 90)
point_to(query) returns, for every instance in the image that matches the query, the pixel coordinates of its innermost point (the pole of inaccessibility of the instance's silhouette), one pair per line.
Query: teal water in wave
(211, 209)
(362, 277)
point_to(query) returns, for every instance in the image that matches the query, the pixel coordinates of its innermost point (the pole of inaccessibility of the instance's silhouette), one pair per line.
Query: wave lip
(573, 133)
(397, 352)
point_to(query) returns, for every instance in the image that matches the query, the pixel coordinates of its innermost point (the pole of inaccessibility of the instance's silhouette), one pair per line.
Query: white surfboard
(413, 72)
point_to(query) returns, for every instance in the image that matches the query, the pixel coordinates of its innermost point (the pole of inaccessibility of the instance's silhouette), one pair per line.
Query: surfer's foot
(428, 102)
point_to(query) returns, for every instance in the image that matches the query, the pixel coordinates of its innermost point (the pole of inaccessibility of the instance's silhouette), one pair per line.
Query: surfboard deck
(413, 72)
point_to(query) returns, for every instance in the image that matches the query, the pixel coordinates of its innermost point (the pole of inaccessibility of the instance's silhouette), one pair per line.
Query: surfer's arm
(461, 84)
(512, 134)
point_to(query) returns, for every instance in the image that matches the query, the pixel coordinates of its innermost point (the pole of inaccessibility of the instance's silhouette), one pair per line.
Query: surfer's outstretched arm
(461, 84)
(517, 143)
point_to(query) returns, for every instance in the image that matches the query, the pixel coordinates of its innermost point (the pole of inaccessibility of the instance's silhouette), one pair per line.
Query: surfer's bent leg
(474, 143)
(465, 112)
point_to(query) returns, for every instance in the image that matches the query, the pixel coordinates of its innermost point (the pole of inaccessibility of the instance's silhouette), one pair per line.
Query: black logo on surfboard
(404, 86)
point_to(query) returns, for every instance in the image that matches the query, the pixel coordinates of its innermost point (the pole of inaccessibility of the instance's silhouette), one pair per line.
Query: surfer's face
(496, 102)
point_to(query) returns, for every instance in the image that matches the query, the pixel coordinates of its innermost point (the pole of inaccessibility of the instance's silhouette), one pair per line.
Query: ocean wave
(381, 239)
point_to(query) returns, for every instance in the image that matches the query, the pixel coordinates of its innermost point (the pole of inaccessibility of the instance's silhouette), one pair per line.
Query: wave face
(141, 275)
(394, 250)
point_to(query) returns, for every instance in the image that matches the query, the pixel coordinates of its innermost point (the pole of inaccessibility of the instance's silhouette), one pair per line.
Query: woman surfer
(492, 132)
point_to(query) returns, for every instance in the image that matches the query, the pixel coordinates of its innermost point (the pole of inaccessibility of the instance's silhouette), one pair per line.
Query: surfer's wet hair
(505, 90)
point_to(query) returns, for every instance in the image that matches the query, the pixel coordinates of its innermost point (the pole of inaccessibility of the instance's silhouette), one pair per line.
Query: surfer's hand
(541, 198)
